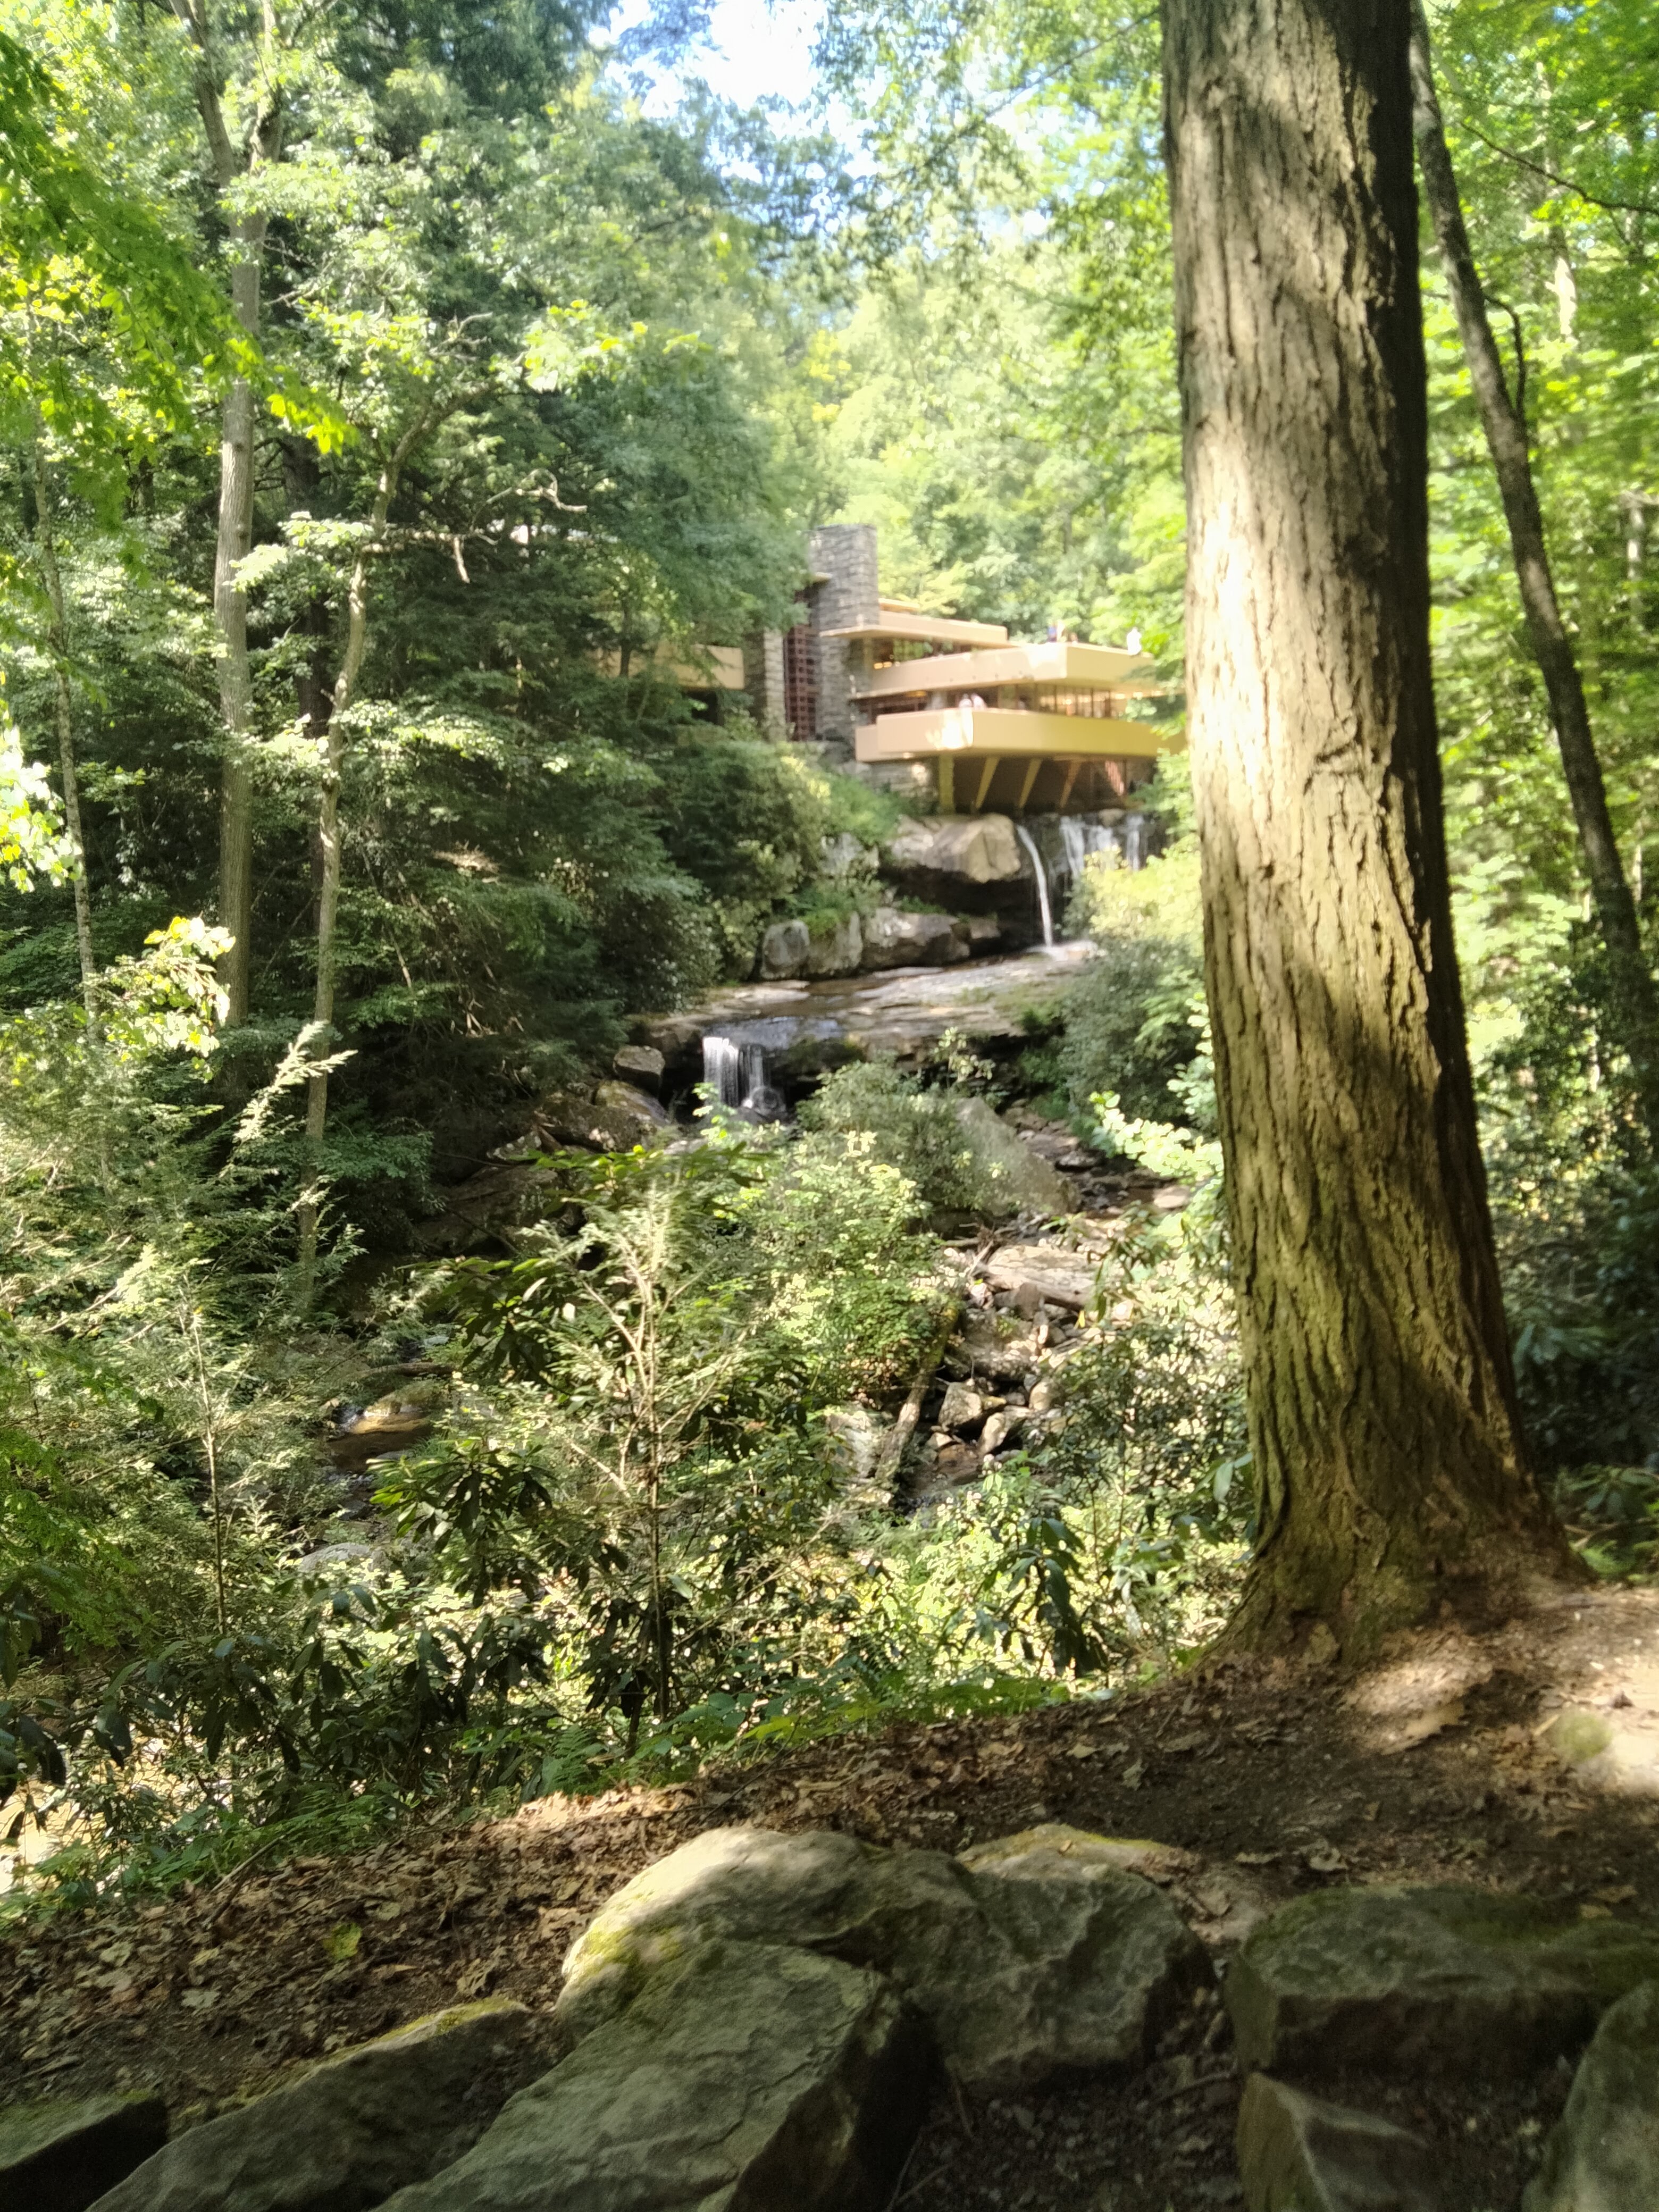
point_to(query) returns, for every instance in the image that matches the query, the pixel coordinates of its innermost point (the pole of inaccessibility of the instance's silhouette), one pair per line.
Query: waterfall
(733, 1072)
(1026, 839)
(1134, 842)
(1078, 838)
(1076, 843)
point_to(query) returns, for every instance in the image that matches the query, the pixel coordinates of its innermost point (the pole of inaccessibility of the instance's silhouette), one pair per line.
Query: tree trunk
(1636, 1003)
(236, 474)
(57, 641)
(1389, 1466)
(328, 835)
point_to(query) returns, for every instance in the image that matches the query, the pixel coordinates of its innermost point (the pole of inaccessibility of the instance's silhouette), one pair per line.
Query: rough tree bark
(1388, 1460)
(45, 537)
(1636, 1002)
(236, 471)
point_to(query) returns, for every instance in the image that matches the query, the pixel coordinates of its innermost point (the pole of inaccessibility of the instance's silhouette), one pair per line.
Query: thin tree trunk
(890, 1458)
(236, 481)
(57, 641)
(328, 834)
(1388, 1454)
(1636, 1001)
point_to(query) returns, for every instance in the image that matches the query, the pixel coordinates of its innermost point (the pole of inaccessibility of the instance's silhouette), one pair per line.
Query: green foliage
(856, 809)
(882, 1116)
(1134, 1019)
(743, 819)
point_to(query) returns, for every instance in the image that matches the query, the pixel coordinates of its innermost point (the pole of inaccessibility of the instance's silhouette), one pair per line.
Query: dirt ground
(1522, 1761)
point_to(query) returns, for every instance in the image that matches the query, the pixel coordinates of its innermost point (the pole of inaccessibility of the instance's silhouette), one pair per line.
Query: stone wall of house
(844, 554)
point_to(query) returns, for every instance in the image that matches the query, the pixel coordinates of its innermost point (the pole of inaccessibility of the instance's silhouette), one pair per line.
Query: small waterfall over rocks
(1042, 874)
(734, 1069)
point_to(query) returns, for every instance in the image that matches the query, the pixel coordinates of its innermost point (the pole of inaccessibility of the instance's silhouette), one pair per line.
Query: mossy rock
(1026, 1975)
(1407, 1981)
(745, 2073)
(347, 2132)
(61, 2153)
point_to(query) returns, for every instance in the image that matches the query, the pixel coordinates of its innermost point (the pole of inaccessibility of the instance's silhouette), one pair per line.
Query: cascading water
(733, 1071)
(1076, 843)
(1043, 907)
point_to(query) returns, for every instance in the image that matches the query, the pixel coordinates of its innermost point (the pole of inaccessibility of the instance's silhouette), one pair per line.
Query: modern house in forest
(989, 723)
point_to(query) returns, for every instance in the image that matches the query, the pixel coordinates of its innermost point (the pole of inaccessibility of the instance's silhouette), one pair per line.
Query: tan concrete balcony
(896, 626)
(972, 746)
(928, 734)
(1074, 670)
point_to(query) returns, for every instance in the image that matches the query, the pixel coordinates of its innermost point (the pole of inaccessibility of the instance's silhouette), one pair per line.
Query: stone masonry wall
(845, 553)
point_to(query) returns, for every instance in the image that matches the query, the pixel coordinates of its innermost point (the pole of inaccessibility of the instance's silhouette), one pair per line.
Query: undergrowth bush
(914, 1129)
(1129, 1019)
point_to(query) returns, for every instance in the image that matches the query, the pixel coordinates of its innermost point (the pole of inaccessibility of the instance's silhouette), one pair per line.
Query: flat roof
(925, 629)
(1088, 667)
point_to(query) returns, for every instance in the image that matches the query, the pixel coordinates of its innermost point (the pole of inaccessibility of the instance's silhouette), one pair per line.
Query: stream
(755, 1039)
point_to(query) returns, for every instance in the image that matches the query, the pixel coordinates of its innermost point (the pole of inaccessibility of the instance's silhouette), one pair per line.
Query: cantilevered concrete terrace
(1056, 705)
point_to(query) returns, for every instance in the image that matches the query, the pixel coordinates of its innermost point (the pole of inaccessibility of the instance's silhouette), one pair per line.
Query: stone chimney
(844, 555)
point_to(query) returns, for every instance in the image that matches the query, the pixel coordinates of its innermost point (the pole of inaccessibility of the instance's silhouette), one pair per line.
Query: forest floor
(1453, 1761)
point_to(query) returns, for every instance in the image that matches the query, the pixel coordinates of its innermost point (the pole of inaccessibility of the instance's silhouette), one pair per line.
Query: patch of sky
(753, 50)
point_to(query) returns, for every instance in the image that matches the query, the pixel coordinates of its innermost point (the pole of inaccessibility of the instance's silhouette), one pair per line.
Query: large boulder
(1025, 1182)
(640, 1064)
(1024, 1977)
(1428, 1980)
(835, 945)
(1604, 2155)
(1297, 2153)
(783, 949)
(348, 2132)
(635, 1113)
(893, 938)
(973, 849)
(61, 2153)
(744, 2076)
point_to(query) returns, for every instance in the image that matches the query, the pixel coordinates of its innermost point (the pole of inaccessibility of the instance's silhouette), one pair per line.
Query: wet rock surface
(350, 2131)
(746, 2074)
(61, 2153)
(904, 1012)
